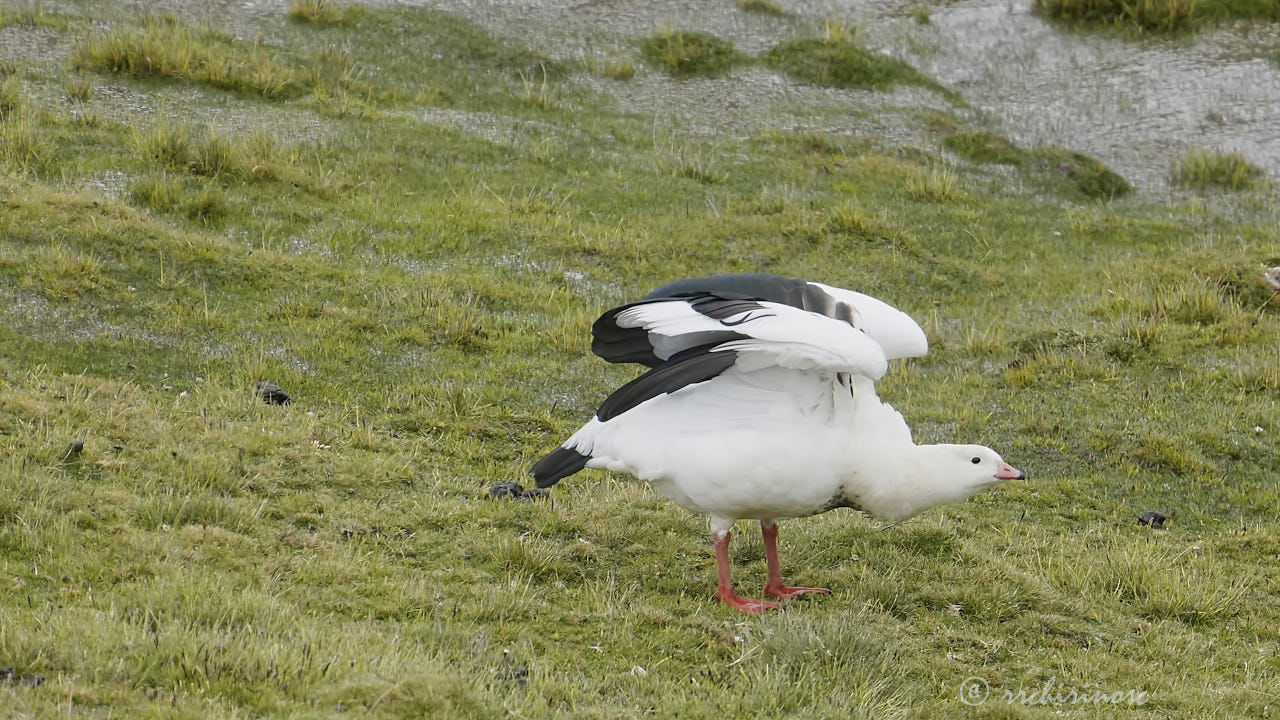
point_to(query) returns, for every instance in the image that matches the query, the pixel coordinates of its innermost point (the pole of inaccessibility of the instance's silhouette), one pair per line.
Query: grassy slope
(426, 295)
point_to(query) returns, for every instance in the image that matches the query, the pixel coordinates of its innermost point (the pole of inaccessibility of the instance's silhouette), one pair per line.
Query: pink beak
(1005, 471)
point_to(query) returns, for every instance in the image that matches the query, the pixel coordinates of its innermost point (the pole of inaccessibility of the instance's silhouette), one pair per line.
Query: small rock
(77, 446)
(506, 489)
(271, 393)
(32, 680)
(6, 674)
(535, 494)
(1272, 278)
(1153, 518)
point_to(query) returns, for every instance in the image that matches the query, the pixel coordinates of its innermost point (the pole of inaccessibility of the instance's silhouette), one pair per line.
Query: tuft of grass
(213, 155)
(79, 89)
(838, 61)
(207, 206)
(24, 145)
(164, 143)
(1088, 176)
(63, 274)
(764, 7)
(936, 185)
(167, 49)
(1150, 15)
(34, 17)
(687, 161)
(535, 90)
(1202, 169)
(921, 14)
(324, 12)
(848, 221)
(986, 147)
(684, 53)
(10, 97)
(1083, 175)
(1158, 16)
(620, 69)
(161, 193)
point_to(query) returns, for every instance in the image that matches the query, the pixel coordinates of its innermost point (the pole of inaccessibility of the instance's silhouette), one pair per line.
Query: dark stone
(6, 674)
(77, 446)
(535, 494)
(506, 489)
(1153, 518)
(32, 680)
(271, 393)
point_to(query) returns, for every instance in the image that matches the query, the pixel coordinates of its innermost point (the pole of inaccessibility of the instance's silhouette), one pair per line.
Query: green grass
(325, 12)
(10, 97)
(1087, 176)
(764, 7)
(166, 49)
(1160, 16)
(1202, 169)
(838, 60)
(425, 292)
(684, 53)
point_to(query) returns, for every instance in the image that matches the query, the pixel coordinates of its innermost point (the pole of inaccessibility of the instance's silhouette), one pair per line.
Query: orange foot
(741, 604)
(786, 592)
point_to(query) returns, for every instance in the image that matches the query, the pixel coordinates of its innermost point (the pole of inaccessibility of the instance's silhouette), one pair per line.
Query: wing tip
(557, 465)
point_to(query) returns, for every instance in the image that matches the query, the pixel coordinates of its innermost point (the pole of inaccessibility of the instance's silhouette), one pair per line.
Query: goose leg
(724, 592)
(774, 587)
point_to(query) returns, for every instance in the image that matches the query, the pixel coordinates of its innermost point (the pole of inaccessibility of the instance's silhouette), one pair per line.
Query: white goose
(760, 403)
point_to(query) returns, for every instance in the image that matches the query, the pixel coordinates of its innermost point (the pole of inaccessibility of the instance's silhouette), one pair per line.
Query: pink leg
(774, 587)
(725, 591)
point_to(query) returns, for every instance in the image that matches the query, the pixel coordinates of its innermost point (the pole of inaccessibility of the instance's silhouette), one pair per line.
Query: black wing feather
(558, 464)
(717, 296)
(691, 366)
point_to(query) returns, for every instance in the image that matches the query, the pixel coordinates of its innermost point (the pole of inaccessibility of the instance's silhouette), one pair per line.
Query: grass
(1159, 16)
(324, 12)
(684, 53)
(1202, 169)
(1087, 176)
(424, 291)
(837, 60)
(10, 97)
(167, 49)
(763, 7)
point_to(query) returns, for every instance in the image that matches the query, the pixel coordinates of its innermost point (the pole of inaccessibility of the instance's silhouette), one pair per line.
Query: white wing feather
(898, 335)
(777, 335)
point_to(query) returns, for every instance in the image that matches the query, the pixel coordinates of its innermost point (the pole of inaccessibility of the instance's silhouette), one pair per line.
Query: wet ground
(1136, 105)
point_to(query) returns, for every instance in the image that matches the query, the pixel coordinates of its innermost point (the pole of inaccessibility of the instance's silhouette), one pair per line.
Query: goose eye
(976, 460)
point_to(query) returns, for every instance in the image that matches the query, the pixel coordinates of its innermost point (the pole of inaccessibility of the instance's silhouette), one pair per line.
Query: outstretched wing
(893, 330)
(761, 333)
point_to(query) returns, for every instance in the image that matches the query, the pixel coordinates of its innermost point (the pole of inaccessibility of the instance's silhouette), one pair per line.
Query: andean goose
(760, 403)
